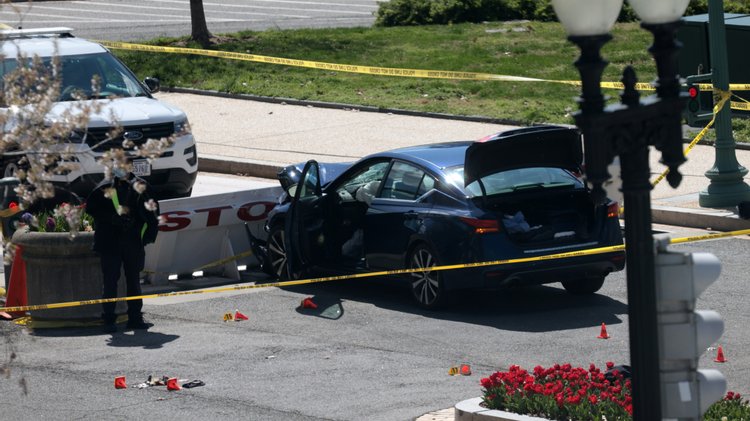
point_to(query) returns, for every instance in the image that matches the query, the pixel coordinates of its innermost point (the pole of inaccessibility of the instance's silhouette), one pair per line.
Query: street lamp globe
(659, 11)
(587, 17)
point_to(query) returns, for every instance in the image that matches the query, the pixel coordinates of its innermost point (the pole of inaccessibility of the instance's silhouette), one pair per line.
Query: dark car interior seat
(406, 189)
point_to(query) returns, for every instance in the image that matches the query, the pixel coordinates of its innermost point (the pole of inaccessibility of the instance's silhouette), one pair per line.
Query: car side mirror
(153, 84)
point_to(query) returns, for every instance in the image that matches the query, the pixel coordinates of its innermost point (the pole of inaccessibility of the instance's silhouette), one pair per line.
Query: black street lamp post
(627, 130)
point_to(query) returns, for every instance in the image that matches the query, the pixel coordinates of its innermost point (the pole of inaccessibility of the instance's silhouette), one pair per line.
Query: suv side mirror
(153, 84)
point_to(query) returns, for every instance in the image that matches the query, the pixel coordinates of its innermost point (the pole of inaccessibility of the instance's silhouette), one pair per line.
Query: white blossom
(150, 205)
(140, 187)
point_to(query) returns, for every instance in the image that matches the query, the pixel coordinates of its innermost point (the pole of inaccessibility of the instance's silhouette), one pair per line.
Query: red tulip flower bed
(560, 392)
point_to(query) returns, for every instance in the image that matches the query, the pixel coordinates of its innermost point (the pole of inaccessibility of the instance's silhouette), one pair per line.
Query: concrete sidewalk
(257, 137)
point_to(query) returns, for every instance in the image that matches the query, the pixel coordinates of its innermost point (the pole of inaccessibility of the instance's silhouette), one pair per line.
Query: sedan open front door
(304, 224)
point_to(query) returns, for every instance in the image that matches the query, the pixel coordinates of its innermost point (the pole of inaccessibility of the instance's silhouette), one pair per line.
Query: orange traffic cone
(603, 334)
(120, 383)
(239, 316)
(17, 284)
(465, 370)
(720, 356)
(308, 303)
(172, 384)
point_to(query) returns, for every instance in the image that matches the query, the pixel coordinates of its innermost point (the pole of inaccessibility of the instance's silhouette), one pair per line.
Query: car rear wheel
(277, 254)
(584, 286)
(426, 284)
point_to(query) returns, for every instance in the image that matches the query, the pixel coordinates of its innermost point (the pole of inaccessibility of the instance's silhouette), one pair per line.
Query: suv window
(78, 71)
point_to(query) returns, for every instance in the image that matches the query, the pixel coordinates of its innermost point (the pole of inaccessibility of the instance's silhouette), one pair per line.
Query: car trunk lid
(540, 146)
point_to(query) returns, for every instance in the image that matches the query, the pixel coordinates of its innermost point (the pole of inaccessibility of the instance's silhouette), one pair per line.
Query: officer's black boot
(137, 322)
(110, 325)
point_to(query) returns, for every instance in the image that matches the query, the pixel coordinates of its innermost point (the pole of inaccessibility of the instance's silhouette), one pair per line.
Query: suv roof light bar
(62, 32)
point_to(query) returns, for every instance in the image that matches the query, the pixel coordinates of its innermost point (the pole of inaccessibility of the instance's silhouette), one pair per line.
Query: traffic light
(699, 108)
(686, 333)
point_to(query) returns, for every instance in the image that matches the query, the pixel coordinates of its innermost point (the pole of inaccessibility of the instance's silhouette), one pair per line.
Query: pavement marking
(272, 8)
(140, 7)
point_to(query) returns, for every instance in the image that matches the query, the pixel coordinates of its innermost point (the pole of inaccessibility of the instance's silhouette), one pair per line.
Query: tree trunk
(199, 32)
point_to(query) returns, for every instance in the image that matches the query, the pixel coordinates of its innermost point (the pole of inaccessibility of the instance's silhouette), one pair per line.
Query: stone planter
(61, 268)
(470, 410)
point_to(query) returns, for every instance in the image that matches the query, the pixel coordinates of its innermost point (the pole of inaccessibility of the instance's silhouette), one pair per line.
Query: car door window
(364, 183)
(309, 185)
(406, 182)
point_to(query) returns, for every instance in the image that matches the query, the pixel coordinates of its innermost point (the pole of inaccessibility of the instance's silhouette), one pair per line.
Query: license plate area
(141, 167)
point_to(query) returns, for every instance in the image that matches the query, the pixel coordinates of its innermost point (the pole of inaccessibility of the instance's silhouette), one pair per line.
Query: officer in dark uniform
(125, 220)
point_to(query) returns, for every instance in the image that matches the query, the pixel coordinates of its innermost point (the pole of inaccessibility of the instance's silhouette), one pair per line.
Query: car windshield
(515, 180)
(78, 72)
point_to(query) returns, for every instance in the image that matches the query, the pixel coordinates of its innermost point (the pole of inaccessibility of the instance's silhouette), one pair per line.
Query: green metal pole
(727, 188)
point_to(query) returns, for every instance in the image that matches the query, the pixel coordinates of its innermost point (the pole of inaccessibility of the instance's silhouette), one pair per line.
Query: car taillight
(482, 226)
(613, 210)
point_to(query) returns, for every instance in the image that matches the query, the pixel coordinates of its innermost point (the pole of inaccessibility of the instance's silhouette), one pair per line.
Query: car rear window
(516, 180)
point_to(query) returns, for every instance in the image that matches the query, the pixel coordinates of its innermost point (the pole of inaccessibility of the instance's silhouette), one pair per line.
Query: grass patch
(530, 49)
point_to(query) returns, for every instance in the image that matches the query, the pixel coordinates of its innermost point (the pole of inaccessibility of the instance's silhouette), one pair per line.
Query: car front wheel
(277, 254)
(426, 284)
(584, 286)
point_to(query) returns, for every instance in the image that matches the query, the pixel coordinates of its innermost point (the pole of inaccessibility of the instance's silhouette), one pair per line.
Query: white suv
(140, 115)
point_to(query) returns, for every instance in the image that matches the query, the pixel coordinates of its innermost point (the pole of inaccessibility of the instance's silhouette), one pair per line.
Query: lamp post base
(726, 189)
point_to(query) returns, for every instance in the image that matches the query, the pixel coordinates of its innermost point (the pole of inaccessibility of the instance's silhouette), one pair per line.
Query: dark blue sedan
(515, 194)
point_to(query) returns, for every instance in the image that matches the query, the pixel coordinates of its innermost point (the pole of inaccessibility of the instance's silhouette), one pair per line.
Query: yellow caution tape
(578, 253)
(732, 86)
(724, 98)
(348, 68)
(374, 70)
(704, 237)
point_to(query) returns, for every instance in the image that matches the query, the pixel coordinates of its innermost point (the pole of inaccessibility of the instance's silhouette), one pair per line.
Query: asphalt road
(378, 358)
(138, 20)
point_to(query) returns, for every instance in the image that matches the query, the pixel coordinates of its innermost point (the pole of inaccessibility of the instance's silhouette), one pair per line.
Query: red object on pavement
(172, 384)
(239, 316)
(720, 356)
(603, 334)
(465, 370)
(120, 383)
(17, 284)
(308, 303)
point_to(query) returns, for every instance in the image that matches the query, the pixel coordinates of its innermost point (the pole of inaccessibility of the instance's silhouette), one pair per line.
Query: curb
(710, 219)
(241, 166)
(470, 410)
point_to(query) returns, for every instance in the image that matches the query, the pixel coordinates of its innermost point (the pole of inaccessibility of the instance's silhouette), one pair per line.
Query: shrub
(732, 407)
(561, 392)
(427, 12)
